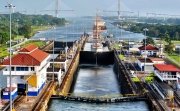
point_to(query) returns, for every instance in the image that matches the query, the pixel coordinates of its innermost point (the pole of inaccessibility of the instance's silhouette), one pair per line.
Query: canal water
(97, 81)
(91, 80)
(79, 25)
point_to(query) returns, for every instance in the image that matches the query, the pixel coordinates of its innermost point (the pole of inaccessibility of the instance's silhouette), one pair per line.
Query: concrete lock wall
(121, 77)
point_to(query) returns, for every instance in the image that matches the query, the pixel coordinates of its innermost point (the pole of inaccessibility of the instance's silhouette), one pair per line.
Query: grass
(18, 37)
(121, 57)
(116, 46)
(36, 42)
(176, 42)
(35, 29)
(135, 79)
(174, 59)
(3, 51)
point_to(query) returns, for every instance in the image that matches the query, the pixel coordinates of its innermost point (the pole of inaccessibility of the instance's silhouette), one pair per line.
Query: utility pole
(56, 8)
(145, 53)
(53, 78)
(10, 6)
(119, 9)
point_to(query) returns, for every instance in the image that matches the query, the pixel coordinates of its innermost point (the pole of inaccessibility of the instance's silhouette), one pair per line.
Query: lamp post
(10, 6)
(145, 54)
(0, 99)
(53, 53)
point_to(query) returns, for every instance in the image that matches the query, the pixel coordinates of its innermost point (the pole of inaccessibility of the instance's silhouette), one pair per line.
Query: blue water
(78, 26)
(92, 80)
(100, 81)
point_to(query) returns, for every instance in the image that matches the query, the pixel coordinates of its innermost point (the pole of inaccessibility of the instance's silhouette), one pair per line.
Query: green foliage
(4, 37)
(149, 79)
(175, 57)
(155, 30)
(3, 51)
(135, 79)
(25, 30)
(21, 24)
(149, 40)
(38, 43)
(170, 48)
(121, 57)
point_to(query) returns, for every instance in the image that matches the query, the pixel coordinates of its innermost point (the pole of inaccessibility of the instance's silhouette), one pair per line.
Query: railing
(6, 72)
(165, 76)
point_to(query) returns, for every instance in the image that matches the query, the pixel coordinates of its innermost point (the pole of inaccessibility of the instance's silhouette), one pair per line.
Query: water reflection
(96, 81)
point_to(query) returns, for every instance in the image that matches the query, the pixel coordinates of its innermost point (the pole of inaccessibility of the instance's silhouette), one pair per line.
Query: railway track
(159, 103)
(177, 99)
(15, 102)
(42, 99)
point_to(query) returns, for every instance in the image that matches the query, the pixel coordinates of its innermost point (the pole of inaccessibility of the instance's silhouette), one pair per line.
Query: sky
(90, 7)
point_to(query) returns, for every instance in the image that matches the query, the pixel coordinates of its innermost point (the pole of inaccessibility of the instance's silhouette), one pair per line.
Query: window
(22, 77)
(32, 68)
(12, 68)
(22, 68)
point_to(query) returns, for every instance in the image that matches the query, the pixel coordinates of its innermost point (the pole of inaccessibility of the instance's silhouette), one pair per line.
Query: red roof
(156, 59)
(34, 58)
(166, 68)
(148, 47)
(29, 48)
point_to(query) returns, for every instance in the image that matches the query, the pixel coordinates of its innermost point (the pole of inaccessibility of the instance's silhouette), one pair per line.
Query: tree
(149, 40)
(170, 48)
(177, 37)
(4, 37)
(167, 38)
(25, 30)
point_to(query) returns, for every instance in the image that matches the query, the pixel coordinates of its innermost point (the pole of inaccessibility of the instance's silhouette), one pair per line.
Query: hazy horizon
(90, 7)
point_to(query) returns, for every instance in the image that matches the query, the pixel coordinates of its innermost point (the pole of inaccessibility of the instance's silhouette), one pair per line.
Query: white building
(149, 50)
(166, 72)
(28, 69)
(149, 63)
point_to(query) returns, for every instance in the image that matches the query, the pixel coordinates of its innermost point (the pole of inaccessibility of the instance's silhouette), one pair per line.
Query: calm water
(96, 81)
(80, 25)
(92, 80)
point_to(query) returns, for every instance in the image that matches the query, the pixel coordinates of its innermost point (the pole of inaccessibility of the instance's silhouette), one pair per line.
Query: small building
(28, 70)
(150, 50)
(177, 48)
(157, 60)
(149, 63)
(166, 72)
(56, 69)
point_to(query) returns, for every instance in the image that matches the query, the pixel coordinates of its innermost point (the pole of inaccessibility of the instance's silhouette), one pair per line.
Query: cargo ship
(98, 27)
